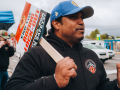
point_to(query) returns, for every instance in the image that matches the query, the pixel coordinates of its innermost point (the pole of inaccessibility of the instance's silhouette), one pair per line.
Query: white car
(102, 54)
(110, 52)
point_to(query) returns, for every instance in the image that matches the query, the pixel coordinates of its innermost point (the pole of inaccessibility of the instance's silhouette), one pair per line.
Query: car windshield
(90, 46)
(100, 47)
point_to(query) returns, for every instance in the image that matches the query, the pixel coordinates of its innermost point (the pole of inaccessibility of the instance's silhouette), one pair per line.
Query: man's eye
(82, 18)
(73, 17)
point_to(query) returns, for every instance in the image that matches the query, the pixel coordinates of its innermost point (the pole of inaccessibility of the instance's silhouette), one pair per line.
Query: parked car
(102, 54)
(110, 52)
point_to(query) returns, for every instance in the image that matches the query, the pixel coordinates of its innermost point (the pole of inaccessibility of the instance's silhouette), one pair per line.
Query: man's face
(71, 30)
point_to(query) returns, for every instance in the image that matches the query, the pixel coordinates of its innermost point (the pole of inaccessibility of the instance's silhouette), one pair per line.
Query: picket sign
(56, 56)
(31, 27)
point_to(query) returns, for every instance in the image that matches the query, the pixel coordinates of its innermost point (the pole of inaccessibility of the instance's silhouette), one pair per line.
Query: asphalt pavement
(110, 67)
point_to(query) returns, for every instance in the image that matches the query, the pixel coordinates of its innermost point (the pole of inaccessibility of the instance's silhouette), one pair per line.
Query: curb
(117, 52)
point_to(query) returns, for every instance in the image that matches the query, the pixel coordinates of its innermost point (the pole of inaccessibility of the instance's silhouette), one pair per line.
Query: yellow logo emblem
(22, 21)
(56, 14)
(74, 3)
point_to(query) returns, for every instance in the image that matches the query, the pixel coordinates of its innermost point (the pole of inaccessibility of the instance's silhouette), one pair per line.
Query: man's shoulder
(36, 49)
(88, 51)
(35, 52)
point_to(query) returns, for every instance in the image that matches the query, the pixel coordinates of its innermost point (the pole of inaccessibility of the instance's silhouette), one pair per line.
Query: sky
(106, 16)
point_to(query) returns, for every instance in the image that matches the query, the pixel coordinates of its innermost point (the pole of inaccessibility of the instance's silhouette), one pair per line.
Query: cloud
(106, 12)
(40, 4)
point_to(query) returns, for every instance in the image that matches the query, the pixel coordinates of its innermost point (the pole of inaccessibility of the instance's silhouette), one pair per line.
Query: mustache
(80, 28)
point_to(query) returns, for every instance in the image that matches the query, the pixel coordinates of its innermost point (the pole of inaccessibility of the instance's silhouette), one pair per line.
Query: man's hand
(2, 43)
(64, 71)
(118, 74)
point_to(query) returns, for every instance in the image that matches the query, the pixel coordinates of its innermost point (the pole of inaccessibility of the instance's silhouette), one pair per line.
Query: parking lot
(110, 66)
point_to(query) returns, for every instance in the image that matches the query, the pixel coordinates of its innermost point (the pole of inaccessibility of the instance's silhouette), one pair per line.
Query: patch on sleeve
(90, 65)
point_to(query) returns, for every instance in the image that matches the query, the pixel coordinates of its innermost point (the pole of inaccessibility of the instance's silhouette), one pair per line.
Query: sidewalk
(117, 52)
(13, 62)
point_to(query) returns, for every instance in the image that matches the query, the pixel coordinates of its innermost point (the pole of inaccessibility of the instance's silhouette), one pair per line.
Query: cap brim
(5, 37)
(87, 11)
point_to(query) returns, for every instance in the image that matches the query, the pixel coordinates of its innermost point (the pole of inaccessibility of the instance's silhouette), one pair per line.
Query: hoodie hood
(52, 38)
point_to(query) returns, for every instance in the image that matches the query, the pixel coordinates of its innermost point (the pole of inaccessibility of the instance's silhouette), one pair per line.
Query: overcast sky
(106, 16)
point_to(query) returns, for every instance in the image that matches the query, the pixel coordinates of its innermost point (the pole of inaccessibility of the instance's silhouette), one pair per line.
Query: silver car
(110, 52)
(102, 54)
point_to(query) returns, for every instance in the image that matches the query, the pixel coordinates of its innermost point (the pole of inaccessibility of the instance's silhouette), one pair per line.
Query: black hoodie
(36, 69)
(5, 53)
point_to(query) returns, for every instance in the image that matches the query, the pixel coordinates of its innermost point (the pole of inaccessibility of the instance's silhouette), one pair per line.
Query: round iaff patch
(90, 65)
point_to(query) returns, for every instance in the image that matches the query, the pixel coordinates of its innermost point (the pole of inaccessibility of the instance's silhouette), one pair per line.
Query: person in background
(80, 69)
(6, 51)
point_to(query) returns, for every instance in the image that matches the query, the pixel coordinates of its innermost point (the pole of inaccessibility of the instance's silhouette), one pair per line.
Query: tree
(93, 34)
(118, 37)
(103, 36)
(87, 37)
(97, 31)
(112, 37)
(106, 36)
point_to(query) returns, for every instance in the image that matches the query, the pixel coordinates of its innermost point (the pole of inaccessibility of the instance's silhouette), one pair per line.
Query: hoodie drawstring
(64, 50)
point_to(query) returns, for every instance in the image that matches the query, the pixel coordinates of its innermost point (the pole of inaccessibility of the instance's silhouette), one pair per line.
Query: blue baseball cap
(70, 7)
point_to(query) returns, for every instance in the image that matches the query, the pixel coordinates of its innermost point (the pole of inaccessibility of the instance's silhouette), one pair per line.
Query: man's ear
(56, 24)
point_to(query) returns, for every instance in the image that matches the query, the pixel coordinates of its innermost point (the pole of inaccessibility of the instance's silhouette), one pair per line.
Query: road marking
(115, 58)
(113, 61)
(111, 71)
(15, 61)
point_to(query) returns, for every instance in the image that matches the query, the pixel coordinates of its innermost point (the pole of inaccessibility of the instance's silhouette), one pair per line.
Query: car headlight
(102, 53)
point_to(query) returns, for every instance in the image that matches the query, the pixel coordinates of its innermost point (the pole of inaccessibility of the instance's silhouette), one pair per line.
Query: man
(81, 69)
(6, 51)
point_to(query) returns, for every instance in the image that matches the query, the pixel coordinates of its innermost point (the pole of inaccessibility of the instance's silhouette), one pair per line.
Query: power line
(106, 30)
(109, 29)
